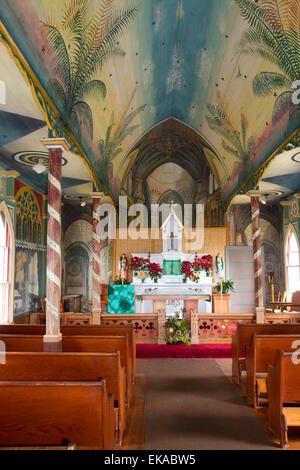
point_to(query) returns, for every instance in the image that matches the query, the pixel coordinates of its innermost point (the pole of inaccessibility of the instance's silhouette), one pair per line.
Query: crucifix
(172, 240)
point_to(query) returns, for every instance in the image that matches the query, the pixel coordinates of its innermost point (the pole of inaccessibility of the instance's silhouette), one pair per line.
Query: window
(292, 263)
(5, 269)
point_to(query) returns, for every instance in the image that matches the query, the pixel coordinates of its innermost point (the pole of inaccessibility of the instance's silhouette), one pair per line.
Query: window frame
(291, 231)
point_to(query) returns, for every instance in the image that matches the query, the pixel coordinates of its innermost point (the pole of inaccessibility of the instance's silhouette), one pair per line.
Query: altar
(179, 298)
(159, 282)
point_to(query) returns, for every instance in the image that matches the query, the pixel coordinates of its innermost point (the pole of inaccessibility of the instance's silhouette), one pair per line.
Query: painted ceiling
(115, 69)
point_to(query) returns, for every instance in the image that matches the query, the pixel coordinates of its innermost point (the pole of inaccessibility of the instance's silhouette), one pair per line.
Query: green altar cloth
(172, 267)
(120, 299)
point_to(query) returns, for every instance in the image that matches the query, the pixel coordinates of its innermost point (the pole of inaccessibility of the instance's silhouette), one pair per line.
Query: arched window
(292, 263)
(6, 267)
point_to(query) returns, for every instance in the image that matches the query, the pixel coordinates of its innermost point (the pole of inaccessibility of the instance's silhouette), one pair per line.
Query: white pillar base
(52, 343)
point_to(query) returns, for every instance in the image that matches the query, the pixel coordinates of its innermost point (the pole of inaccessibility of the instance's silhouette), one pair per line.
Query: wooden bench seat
(243, 338)
(89, 330)
(259, 356)
(104, 343)
(21, 366)
(56, 413)
(283, 385)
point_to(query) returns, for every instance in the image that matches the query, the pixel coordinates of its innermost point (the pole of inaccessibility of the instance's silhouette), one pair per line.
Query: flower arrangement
(138, 264)
(186, 269)
(121, 280)
(142, 268)
(177, 330)
(155, 271)
(207, 262)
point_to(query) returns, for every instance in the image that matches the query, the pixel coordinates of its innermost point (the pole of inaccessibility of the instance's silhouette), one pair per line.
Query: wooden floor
(135, 433)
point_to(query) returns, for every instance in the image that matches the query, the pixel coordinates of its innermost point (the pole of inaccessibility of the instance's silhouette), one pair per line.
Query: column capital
(9, 174)
(56, 143)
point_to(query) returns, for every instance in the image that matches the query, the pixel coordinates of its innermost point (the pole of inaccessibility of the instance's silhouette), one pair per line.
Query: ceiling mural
(117, 69)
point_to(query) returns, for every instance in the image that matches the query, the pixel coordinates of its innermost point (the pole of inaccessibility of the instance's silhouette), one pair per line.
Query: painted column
(257, 258)
(52, 339)
(96, 310)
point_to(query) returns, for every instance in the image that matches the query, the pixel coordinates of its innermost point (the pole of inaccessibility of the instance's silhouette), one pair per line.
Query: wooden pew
(107, 343)
(33, 366)
(259, 356)
(243, 338)
(283, 384)
(51, 413)
(89, 330)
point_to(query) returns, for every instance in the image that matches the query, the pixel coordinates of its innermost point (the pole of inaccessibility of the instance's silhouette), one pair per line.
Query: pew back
(259, 356)
(243, 338)
(82, 413)
(284, 389)
(89, 330)
(103, 344)
(33, 366)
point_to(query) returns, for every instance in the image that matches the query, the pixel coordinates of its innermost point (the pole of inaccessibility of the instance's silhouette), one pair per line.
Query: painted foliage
(117, 68)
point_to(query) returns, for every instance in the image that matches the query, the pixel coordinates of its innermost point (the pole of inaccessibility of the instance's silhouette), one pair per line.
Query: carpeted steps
(181, 351)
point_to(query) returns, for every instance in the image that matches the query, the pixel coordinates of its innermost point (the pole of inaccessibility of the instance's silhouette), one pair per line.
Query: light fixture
(39, 167)
(83, 203)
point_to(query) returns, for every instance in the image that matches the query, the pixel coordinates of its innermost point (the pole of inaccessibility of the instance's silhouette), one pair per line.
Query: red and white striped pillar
(52, 338)
(96, 310)
(257, 258)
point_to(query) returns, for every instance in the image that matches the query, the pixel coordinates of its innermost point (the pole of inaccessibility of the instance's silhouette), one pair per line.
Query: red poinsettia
(154, 270)
(138, 264)
(186, 268)
(207, 262)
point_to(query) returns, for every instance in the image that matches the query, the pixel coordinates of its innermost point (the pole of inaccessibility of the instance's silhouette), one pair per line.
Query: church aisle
(190, 404)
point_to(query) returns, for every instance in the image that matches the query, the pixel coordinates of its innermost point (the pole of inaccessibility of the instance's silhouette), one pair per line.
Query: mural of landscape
(116, 68)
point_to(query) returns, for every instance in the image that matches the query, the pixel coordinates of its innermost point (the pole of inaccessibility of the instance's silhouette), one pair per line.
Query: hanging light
(39, 167)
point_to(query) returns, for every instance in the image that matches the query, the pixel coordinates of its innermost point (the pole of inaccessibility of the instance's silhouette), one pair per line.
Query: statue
(123, 266)
(219, 265)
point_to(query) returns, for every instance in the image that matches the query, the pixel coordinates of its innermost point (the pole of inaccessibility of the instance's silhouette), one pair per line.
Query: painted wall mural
(30, 257)
(116, 68)
(29, 274)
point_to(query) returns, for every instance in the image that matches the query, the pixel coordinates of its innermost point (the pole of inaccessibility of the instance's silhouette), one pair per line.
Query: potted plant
(224, 287)
(207, 264)
(154, 271)
(186, 270)
(177, 330)
(197, 269)
(139, 267)
(221, 297)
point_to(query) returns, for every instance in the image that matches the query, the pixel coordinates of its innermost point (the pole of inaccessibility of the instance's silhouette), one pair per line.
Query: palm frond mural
(81, 44)
(234, 141)
(111, 146)
(274, 35)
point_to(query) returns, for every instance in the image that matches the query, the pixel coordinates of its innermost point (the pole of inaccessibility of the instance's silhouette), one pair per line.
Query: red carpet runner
(166, 351)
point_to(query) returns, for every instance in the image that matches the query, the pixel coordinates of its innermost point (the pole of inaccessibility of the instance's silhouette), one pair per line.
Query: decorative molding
(30, 246)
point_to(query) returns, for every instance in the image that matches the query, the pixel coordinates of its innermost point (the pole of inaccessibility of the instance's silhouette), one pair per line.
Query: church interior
(150, 224)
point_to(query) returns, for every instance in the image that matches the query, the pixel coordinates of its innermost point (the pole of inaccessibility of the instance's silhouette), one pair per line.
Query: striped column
(52, 339)
(96, 310)
(257, 254)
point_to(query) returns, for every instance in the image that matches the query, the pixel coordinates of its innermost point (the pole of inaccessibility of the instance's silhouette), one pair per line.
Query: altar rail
(145, 325)
(219, 327)
(150, 327)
